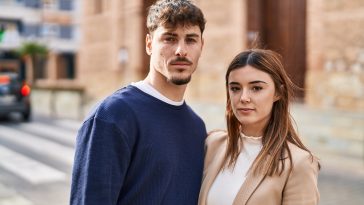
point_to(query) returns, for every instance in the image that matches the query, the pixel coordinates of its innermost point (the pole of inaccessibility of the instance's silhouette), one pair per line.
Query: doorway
(281, 26)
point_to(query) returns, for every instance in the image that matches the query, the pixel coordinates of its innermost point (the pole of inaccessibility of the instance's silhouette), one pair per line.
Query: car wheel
(26, 116)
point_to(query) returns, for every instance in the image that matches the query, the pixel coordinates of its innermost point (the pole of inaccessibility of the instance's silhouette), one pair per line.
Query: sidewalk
(10, 197)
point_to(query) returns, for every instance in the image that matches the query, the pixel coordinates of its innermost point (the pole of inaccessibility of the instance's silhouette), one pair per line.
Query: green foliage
(2, 32)
(33, 49)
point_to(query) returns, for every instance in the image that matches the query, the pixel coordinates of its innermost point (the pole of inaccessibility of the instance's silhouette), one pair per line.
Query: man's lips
(181, 63)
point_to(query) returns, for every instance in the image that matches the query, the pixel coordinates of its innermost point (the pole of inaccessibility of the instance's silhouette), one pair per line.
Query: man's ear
(148, 44)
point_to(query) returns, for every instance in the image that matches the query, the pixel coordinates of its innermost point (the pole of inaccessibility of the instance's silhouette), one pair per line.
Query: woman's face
(252, 94)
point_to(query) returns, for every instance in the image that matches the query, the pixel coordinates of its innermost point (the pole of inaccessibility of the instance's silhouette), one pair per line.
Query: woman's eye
(256, 88)
(234, 89)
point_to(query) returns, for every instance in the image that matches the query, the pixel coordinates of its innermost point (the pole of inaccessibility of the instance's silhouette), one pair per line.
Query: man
(144, 144)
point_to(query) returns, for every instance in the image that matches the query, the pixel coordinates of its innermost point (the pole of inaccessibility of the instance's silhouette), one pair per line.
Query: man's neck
(168, 89)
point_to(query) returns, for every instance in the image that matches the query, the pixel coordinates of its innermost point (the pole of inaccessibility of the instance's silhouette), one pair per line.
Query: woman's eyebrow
(257, 81)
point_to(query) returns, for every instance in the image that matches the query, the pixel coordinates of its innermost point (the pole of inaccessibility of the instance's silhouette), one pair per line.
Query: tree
(2, 32)
(33, 53)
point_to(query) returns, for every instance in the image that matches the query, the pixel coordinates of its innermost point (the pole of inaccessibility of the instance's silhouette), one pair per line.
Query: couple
(144, 144)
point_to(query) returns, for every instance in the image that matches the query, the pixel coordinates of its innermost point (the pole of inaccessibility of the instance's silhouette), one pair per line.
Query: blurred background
(66, 55)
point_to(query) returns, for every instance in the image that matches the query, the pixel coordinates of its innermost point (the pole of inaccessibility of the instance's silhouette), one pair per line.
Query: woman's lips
(245, 110)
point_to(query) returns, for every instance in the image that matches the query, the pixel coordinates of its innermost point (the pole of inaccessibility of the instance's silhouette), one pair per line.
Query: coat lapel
(247, 189)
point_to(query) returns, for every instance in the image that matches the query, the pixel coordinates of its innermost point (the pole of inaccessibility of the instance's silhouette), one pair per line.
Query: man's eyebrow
(193, 35)
(169, 34)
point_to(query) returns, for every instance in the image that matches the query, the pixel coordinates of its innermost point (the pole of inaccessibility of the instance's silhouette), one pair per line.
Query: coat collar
(246, 190)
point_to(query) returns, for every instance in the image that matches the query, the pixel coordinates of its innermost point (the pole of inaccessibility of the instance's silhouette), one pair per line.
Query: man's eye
(191, 40)
(170, 39)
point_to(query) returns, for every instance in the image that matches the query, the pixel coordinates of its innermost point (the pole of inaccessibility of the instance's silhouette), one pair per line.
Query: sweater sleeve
(301, 187)
(101, 161)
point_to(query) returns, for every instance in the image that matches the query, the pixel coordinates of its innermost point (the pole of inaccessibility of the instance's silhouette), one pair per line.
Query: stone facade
(223, 39)
(111, 46)
(112, 50)
(335, 77)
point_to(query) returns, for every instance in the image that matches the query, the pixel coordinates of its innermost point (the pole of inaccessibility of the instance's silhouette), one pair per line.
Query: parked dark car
(14, 95)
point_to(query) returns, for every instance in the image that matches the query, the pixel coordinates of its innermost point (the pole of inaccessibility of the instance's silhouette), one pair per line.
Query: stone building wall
(335, 77)
(112, 50)
(117, 32)
(224, 38)
(99, 70)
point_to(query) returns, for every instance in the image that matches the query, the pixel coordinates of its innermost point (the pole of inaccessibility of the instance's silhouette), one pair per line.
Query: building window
(33, 3)
(65, 32)
(65, 5)
(66, 66)
(50, 30)
(31, 30)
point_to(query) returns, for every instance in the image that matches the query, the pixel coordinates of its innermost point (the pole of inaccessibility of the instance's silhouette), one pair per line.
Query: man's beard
(180, 81)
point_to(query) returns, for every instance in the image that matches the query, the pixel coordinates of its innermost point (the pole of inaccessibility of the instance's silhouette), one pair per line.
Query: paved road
(36, 160)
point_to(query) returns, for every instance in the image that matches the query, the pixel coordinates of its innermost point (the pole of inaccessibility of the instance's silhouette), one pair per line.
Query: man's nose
(181, 49)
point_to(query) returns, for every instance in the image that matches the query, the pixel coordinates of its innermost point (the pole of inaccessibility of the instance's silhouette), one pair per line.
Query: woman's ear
(148, 44)
(277, 95)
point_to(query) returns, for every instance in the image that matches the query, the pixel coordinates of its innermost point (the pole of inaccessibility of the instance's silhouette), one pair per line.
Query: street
(36, 162)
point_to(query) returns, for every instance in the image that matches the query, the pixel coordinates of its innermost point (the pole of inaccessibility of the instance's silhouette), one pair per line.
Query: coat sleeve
(101, 161)
(301, 186)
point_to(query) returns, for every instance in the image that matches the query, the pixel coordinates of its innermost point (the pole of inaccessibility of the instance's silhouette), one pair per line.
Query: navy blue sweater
(136, 149)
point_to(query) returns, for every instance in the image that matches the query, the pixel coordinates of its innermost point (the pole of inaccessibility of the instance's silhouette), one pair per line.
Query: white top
(150, 90)
(228, 182)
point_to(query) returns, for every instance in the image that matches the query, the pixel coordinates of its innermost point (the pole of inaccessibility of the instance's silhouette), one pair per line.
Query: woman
(260, 160)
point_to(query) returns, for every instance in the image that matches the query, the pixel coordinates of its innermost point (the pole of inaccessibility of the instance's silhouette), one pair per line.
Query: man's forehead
(179, 29)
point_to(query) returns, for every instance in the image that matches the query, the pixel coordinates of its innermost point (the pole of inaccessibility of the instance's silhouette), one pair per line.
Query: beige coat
(298, 187)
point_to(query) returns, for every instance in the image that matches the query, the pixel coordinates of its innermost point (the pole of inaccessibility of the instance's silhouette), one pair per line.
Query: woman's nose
(245, 97)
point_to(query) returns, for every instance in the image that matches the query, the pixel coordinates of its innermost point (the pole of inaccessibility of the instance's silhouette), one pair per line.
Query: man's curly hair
(173, 13)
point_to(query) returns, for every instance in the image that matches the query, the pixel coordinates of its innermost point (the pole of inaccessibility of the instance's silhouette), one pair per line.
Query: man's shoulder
(115, 105)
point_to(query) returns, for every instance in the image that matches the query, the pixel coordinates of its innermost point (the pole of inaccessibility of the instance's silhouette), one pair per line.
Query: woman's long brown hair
(279, 129)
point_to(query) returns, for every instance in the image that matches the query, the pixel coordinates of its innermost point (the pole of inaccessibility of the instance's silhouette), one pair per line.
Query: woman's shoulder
(216, 138)
(215, 143)
(302, 158)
